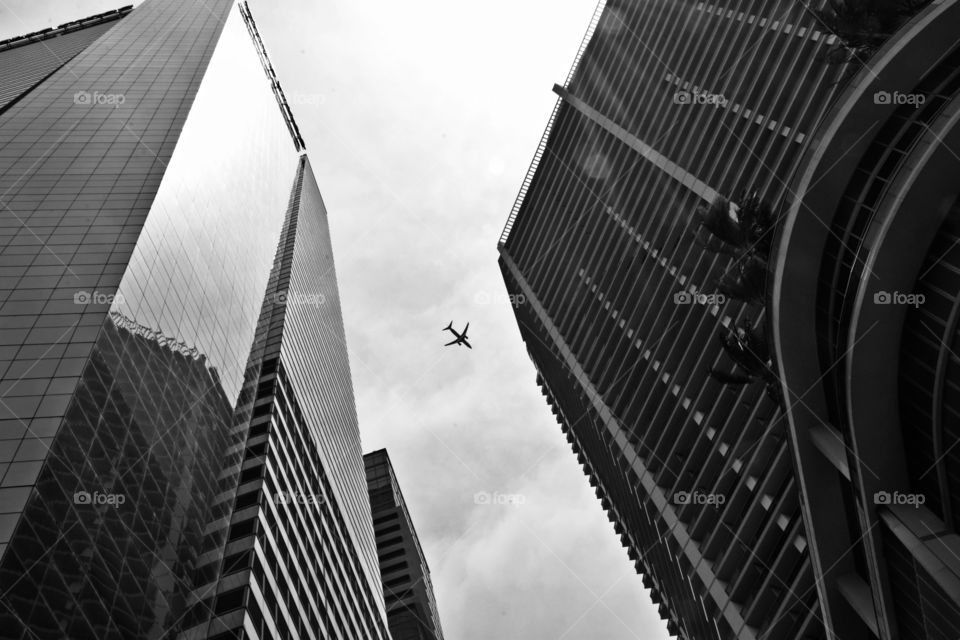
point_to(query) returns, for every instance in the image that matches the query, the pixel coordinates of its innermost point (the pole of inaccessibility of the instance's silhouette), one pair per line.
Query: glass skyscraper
(179, 448)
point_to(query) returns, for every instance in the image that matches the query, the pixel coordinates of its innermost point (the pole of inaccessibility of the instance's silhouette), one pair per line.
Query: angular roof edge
(272, 77)
(66, 27)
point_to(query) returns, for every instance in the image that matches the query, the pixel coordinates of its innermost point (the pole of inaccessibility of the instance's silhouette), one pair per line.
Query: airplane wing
(465, 329)
(450, 343)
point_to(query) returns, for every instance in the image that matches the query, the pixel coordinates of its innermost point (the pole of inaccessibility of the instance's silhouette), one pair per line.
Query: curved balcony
(872, 193)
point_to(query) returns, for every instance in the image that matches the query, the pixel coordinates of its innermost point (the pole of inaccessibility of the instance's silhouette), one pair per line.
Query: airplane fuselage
(461, 338)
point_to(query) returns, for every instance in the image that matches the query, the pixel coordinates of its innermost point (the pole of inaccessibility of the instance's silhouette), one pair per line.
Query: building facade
(741, 405)
(875, 436)
(408, 592)
(30, 58)
(181, 455)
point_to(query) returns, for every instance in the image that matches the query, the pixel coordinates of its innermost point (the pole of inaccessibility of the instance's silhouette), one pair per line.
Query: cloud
(420, 120)
(431, 113)
(533, 570)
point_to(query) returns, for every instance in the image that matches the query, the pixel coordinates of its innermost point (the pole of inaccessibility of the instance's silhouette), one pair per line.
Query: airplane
(461, 337)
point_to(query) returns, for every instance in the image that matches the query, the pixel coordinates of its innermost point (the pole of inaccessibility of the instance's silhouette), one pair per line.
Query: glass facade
(107, 541)
(173, 354)
(79, 179)
(315, 351)
(204, 253)
(29, 59)
(291, 567)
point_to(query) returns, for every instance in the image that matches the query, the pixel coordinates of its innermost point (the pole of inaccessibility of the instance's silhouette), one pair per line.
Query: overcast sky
(420, 119)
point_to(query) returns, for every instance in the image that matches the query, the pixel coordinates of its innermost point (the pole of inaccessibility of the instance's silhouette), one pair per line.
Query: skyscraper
(864, 312)
(706, 371)
(408, 591)
(30, 58)
(181, 454)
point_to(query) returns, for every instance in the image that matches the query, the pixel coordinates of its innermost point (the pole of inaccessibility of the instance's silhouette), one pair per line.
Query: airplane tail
(448, 327)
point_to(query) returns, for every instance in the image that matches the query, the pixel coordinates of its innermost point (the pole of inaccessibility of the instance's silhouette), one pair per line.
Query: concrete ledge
(900, 522)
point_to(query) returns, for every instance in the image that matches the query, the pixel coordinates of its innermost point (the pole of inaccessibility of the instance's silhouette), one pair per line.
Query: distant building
(411, 606)
(760, 420)
(179, 448)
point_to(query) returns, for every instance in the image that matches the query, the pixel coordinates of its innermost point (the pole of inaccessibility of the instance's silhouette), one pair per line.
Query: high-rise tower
(408, 591)
(699, 243)
(172, 358)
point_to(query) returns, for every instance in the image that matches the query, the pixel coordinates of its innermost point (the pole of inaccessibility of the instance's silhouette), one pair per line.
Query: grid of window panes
(77, 182)
(292, 567)
(671, 104)
(27, 60)
(122, 503)
(315, 351)
(164, 210)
